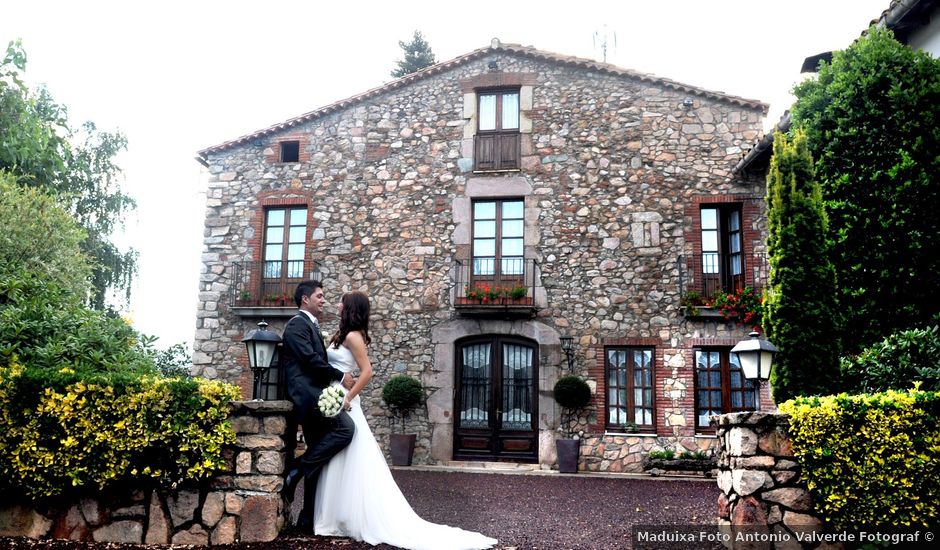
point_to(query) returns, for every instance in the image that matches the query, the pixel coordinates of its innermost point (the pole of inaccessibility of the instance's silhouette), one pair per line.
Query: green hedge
(870, 460)
(63, 430)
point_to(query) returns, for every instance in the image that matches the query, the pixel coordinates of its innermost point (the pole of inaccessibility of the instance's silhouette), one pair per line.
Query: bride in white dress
(357, 496)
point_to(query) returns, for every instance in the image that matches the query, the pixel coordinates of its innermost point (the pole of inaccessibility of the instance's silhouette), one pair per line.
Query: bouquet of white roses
(331, 401)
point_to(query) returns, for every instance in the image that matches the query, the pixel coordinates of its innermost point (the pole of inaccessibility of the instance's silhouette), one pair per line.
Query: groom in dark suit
(308, 373)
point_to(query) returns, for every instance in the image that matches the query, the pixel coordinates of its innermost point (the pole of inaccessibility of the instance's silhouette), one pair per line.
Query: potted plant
(572, 394)
(402, 394)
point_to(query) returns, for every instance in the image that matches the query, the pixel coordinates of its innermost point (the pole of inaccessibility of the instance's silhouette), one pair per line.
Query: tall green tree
(39, 147)
(27, 213)
(871, 119)
(418, 55)
(800, 313)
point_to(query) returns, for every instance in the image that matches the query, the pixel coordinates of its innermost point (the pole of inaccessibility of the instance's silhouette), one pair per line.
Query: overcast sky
(176, 77)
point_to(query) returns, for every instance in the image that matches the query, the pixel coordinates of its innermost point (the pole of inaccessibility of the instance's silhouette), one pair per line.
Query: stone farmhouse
(491, 205)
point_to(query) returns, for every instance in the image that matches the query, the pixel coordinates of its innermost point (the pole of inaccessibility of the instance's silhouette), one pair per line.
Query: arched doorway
(496, 399)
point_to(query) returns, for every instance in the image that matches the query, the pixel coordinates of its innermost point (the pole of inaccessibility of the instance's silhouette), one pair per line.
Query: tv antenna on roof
(604, 37)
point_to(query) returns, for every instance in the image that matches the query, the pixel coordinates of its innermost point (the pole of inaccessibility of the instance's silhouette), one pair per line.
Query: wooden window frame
(725, 280)
(285, 151)
(724, 368)
(630, 405)
(498, 149)
(285, 243)
(497, 277)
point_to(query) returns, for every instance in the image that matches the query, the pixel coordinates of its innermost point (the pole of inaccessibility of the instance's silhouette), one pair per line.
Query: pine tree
(418, 55)
(800, 313)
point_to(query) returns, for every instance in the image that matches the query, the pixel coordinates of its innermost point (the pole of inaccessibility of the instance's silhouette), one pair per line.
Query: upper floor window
(720, 386)
(630, 388)
(290, 151)
(498, 227)
(285, 232)
(498, 137)
(722, 254)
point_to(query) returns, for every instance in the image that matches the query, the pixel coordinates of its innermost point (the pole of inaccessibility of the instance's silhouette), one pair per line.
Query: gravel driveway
(536, 511)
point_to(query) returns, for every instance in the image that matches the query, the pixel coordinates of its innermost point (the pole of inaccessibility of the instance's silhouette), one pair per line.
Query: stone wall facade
(614, 168)
(243, 503)
(762, 491)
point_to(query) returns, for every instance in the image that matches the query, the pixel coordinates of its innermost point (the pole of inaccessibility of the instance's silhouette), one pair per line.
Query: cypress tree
(800, 313)
(418, 55)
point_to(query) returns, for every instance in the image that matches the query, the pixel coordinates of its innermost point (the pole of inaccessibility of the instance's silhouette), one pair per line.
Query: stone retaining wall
(762, 488)
(242, 503)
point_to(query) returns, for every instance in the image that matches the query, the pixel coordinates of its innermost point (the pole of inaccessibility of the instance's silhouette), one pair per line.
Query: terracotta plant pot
(568, 452)
(402, 448)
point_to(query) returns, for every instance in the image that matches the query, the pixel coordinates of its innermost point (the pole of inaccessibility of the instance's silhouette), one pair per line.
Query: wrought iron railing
(754, 272)
(490, 282)
(269, 284)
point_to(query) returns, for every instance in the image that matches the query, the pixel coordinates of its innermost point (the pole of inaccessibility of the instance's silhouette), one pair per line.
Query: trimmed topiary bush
(870, 461)
(402, 394)
(571, 392)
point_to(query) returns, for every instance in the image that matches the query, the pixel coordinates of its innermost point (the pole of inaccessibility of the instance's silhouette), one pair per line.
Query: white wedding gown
(357, 497)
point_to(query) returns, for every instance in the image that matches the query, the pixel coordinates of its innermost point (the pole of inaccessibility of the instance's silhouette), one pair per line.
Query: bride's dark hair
(355, 316)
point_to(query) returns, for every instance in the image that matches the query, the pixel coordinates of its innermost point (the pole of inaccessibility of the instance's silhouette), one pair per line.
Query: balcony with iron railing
(488, 287)
(699, 289)
(266, 288)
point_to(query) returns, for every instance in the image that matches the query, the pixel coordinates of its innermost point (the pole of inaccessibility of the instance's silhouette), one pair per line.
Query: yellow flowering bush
(870, 459)
(93, 432)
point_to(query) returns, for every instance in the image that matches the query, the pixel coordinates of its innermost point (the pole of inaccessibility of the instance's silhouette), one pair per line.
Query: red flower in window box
(744, 306)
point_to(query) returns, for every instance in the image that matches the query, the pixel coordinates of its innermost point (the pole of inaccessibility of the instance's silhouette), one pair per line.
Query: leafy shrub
(46, 327)
(689, 455)
(870, 460)
(402, 394)
(897, 362)
(572, 393)
(63, 431)
(667, 454)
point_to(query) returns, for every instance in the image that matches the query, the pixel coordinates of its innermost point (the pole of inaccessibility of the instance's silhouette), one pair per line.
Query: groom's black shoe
(293, 477)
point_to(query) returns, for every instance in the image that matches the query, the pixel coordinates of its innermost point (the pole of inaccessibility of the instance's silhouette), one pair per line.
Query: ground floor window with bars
(629, 373)
(720, 386)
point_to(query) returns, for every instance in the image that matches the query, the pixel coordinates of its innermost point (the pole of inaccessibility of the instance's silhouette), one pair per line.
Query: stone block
(259, 518)
(196, 535)
(746, 482)
(270, 462)
(213, 508)
(243, 463)
(262, 483)
(158, 526)
(182, 506)
(748, 512)
(224, 532)
(69, 526)
(233, 504)
(261, 442)
(128, 532)
(17, 521)
(794, 498)
(742, 442)
(276, 425)
(94, 513)
(246, 425)
(776, 442)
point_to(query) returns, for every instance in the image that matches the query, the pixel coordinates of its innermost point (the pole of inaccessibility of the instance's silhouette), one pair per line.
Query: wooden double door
(496, 399)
